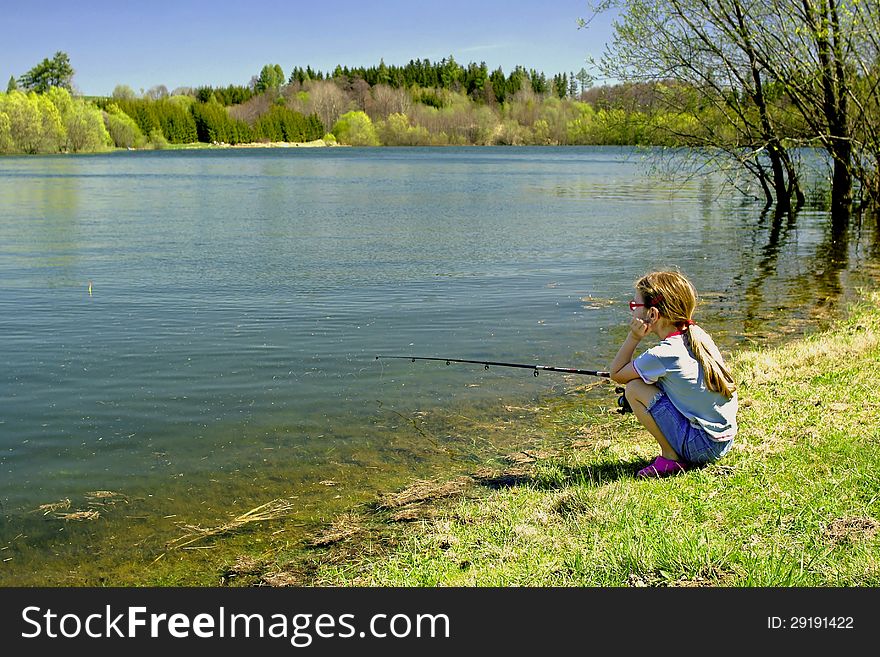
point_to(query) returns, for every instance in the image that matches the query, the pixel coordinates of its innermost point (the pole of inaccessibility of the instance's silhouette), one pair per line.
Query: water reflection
(49, 204)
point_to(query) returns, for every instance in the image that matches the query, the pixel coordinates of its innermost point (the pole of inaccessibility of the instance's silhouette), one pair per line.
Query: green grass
(795, 503)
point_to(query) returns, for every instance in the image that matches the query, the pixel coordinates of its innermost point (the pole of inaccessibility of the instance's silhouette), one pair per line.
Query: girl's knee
(630, 391)
(638, 390)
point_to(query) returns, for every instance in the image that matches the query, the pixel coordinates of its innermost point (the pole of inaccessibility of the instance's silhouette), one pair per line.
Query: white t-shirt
(671, 366)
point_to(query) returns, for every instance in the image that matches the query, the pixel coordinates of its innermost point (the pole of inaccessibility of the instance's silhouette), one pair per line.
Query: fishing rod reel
(622, 403)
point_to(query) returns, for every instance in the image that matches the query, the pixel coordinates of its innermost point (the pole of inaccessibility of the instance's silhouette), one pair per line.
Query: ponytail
(718, 378)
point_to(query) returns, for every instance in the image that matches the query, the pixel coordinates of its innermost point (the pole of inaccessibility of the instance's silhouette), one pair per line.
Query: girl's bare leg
(639, 394)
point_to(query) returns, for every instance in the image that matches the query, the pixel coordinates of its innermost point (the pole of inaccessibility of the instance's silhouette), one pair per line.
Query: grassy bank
(795, 503)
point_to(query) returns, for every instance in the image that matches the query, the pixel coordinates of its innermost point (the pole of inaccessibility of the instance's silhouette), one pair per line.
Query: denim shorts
(691, 443)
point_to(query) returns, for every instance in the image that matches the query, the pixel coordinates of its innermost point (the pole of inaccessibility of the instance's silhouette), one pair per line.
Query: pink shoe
(661, 467)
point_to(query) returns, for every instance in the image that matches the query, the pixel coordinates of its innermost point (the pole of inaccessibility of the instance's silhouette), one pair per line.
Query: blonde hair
(675, 298)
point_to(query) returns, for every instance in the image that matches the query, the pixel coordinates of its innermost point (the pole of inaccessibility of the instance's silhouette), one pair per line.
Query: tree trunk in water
(783, 197)
(841, 185)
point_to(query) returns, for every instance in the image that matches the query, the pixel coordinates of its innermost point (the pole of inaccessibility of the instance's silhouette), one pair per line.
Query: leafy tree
(169, 117)
(122, 129)
(765, 68)
(12, 86)
(6, 144)
(157, 92)
(397, 131)
(709, 45)
(356, 129)
(34, 122)
(24, 122)
(84, 129)
(55, 72)
(123, 92)
(157, 140)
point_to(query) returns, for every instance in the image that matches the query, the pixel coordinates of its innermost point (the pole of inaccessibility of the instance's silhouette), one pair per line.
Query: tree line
(421, 103)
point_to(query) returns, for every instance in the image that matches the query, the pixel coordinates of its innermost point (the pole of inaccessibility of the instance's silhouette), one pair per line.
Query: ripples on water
(226, 351)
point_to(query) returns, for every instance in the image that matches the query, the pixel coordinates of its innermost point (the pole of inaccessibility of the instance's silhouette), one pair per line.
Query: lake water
(188, 334)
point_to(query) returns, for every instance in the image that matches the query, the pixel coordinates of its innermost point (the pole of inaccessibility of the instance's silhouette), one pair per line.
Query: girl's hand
(638, 329)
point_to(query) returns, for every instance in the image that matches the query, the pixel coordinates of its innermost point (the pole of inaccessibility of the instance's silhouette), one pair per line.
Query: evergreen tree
(539, 82)
(271, 78)
(560, 84)
(55, 72)
(499, 84)
(585, 79)
(383, 76)
(12, 86)
(204, 95)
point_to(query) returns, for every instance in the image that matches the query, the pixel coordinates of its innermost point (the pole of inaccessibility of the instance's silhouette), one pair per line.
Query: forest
(420, 104)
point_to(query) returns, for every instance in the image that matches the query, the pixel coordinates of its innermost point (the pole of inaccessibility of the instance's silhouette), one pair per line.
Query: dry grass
(423, 490)
(852, 530)
(343, 527)
(272, 510)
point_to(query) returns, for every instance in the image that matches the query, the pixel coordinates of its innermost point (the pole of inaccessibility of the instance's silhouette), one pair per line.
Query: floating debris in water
(594, 303)
(79, 515)
(46, 509)
(103, 498)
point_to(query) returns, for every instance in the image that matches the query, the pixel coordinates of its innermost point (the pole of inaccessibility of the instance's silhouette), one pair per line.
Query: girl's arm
(621, 368)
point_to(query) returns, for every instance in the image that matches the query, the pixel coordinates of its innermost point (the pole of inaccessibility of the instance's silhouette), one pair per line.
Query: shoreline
(316, 143)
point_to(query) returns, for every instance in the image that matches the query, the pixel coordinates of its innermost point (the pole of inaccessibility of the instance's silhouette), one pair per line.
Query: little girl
(680, 390)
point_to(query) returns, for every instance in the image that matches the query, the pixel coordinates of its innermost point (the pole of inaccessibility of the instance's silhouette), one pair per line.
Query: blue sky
(218, 42)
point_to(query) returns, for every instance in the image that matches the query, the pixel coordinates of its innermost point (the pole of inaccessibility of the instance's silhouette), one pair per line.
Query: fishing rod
(487, 363)
(622, 403)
